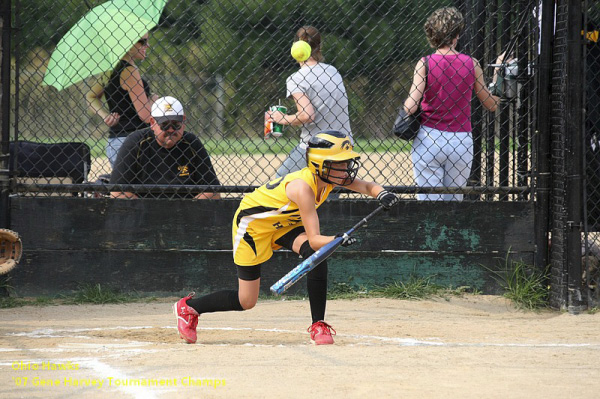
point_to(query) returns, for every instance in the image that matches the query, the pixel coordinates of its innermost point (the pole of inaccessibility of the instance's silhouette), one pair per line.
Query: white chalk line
(55, 333)
(106, 371)
(437, 342)
(101, 372)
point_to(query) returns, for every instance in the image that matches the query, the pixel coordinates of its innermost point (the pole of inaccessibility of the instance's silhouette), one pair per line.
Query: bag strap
(426, 77)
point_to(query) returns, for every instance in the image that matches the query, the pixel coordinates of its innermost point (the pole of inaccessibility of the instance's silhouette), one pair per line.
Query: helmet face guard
(330, 156)
(348, 168)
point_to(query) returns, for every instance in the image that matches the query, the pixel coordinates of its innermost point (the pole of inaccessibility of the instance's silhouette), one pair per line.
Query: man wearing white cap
(164, 154)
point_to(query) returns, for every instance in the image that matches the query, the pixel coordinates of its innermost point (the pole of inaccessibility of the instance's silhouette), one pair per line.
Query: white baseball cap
(167, 109)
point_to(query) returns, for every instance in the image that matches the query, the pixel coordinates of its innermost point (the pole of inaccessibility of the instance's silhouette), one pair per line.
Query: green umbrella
(97, 42)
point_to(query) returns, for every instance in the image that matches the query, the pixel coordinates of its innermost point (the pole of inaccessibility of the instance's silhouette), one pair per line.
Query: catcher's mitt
(11, 250)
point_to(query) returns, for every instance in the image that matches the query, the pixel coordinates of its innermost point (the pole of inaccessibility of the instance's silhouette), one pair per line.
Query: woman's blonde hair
(443, 26)
(311, 35)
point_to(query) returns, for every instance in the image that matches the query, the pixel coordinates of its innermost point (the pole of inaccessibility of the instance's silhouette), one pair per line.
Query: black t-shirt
(141, 160)
(118, 100)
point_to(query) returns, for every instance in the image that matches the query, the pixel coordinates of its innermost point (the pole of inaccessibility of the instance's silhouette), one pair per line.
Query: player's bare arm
(384, 197)
(301, 193)
(369, 188)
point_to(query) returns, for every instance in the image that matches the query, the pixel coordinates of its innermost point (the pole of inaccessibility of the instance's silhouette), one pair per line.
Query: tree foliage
(373, 43)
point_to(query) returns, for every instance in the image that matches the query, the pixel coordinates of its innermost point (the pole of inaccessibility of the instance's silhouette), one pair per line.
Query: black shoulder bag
(406, 126)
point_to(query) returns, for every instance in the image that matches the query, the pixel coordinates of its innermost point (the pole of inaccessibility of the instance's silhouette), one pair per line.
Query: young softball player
(283, 213)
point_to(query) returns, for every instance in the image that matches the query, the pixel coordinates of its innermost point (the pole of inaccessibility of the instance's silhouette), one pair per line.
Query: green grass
(96, 294)
(233, 146)
(85, 294)
(415, 288)
(523, 284)
(339, 290)
(10, 302)
(257, 145)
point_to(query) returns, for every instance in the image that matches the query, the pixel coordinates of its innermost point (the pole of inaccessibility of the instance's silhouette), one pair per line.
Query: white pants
(294, 162)
(112, 149)
(442, 159)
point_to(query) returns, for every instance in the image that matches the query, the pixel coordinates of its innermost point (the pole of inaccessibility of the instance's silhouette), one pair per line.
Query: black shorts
(251, 273)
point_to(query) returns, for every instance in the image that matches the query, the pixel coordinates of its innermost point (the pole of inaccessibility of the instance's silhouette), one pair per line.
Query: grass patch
(97, 294)
(523, 284)
(85, 294)
(245, 146)
(260, 146)
(415, 288)
(11, 302)
(346, 291)
(255, 145)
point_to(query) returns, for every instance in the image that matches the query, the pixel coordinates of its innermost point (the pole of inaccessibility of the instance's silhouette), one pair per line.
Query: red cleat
(187, 319)
(320, 333)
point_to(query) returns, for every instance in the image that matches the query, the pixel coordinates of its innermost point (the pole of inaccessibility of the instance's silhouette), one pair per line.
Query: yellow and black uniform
(266, 215)
(267, 220)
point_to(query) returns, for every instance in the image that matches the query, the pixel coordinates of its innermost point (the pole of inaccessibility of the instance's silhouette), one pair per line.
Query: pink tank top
(446, 103)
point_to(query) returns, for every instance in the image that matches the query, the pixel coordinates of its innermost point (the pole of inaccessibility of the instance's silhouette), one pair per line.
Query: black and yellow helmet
(332, 150)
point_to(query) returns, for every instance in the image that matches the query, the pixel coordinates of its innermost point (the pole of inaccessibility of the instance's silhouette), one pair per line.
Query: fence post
(478, 116)
(5, 127)
(5, 112)
(574, 154)
(542, 192)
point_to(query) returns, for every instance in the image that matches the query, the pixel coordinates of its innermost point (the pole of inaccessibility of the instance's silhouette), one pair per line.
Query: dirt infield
(468, 347)
(232, 170)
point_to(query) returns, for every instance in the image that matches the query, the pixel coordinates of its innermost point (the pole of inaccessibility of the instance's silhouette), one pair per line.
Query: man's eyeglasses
(170, 125)
(143, 42)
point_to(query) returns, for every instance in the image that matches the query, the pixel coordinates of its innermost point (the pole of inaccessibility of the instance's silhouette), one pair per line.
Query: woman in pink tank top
(442, 152)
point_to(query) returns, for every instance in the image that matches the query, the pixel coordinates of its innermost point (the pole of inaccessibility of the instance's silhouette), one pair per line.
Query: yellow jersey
(267, 214)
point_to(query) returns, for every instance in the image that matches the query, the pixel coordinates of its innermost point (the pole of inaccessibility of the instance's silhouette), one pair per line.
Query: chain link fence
(591, 242)
(575, 162)
(228, 61)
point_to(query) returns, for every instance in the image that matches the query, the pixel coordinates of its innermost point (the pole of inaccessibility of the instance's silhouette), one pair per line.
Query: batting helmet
(329, 151)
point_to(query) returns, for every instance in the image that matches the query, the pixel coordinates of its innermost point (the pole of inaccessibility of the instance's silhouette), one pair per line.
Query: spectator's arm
(305, 112)
(123, 195)
(489, 101)
(131, 80)
(208, 195)
(499, 61)
(204, 171)
(94, 101)
(125, 169)
(419, 83)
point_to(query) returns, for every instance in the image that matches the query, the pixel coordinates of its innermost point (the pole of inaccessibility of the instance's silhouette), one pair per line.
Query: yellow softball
(301, 51)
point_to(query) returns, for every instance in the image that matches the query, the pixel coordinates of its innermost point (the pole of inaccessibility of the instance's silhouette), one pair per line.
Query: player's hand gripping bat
(315, 259)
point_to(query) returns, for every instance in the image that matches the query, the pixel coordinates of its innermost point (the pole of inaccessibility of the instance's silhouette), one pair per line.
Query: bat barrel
(315, 259)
